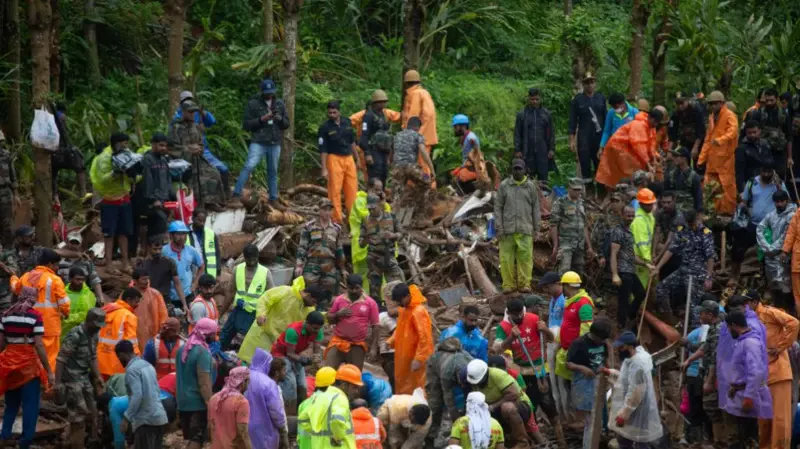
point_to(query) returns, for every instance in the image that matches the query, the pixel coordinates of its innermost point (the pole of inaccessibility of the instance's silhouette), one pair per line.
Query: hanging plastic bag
(740, 218)
(44, 132)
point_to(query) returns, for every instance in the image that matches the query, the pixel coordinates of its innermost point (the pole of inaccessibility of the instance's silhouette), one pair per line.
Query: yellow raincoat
(282, 305)
(326, 418)
(359, 253)
(412, 340)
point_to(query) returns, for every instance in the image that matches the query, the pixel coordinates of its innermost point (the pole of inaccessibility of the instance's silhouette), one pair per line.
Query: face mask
(619, 110)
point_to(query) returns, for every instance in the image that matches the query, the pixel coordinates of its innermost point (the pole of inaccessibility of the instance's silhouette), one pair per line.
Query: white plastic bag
(44, 132)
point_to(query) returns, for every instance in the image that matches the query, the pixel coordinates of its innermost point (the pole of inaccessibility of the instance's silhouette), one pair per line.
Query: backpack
(382, 139)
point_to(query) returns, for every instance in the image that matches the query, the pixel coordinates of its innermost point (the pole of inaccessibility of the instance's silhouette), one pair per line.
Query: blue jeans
(257, 152)
(214, 161)
(26, 396)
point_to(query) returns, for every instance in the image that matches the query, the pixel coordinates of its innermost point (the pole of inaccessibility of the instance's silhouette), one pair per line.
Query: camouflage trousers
(380, 268)
(328, 281)
(78, 397)
(6, 217)
(415, 193)
(671, 293)
(571, 258)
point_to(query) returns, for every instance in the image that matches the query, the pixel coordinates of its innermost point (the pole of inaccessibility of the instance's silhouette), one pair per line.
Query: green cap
(575, 183)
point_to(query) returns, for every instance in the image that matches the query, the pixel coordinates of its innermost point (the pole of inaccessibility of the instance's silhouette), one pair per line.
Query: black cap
(549, 278)
(752, 294)
(24, 231)
(682, 152)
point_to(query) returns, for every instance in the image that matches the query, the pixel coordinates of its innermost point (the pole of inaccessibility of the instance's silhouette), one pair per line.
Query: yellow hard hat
(379, 95)
(325, 377)
(715, 96)
(411, 75)
(570, 277)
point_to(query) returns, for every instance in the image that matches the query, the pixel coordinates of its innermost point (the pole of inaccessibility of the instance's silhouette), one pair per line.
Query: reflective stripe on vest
(257, 287)
(47, 302)
(209, 249)
(120, 334)
(165, 360)
(374, 436)
(211, 307)
(328, 432)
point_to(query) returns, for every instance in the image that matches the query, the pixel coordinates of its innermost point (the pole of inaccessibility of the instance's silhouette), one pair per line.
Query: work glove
(305, 360)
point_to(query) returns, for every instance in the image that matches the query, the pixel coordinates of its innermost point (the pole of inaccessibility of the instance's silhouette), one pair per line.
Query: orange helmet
(350, 374)
(646, 196)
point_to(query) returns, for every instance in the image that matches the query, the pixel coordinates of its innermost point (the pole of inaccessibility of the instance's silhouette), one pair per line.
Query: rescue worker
(752, 153)
(251, 280)
(467, 175)
(203, 305)
(204, 240)
(411, 180)
(687, 127)
(643, 227)
(710, 315)
(275, 311)
(324, 378)
(517, 217)
(668, 218)
(407, 418)
(535, 137)
(121, 324)
(81, 299)
(412, 339)
(24, 254)
(267, 424)
(320, 254)
(477, 429)
(446, 397)
(358, 253)
(8, 194)
(467, 332)
(419, 103)
(376, 137)
(631, 148)
(684, 182)
(339, 160)
(357, 119)
(151, 311)
(354, 318)
(718, 151)
(293, 341)
(569, 232)
(466, 137)
(72, 255)
(791, 250)
(550, 283)
(508, 404)
(578, 317)
(782, 328)
(380, 232)
(52, 301)
(327, 417)
(620, 114)
(695, 244)
(161, 351)
(587, 114)
(8, 269)
(188, 266)
(776, 128)
(265, 118)
(77, 379)
(186, 142)
(770, 235)
(369, 430)
(624, 262)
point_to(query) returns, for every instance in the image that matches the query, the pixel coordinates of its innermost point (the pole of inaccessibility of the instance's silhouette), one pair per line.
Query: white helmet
(476, 371)
(185, 95)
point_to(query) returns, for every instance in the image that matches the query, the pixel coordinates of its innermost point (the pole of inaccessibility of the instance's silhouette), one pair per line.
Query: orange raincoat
(418, 103)
(720, 158)
(412, 340)
(357, 120)
(121, 324)
(631, 148)
(151, 313)
(52, 303)
(791, 246)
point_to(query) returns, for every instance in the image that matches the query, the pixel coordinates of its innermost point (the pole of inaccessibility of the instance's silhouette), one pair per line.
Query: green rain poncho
(79, 304)
(359, 253)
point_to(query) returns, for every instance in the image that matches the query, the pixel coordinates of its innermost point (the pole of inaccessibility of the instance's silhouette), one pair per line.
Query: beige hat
(379, 95)
(715, 96)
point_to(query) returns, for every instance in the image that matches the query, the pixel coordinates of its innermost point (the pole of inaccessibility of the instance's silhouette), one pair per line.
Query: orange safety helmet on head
(646, 196)
(350, 374)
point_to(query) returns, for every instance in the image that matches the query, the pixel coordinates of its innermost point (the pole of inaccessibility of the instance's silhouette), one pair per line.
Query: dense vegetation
(477, 57)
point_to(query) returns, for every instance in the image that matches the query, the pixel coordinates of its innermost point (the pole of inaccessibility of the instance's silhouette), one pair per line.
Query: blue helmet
(268, 87)
(460, 119)
(177, 226)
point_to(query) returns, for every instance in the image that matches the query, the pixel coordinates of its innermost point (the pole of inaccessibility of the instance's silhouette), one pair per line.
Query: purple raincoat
(266, 403)
(725, 347)
(750, 367)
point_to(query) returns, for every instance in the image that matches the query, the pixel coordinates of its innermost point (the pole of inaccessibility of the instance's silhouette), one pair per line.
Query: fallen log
(308, 188)
(665, 330)
(480, 278)
(422, 240)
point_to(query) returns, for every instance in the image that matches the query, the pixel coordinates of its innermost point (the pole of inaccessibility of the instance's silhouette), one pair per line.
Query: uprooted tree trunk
(39, 20)
(479, 276)
(292, 10)
(176, 13)
(639, 16)
(11, 44)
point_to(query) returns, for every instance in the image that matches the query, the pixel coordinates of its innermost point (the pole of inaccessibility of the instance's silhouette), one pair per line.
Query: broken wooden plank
(307, 188)
(480, 278)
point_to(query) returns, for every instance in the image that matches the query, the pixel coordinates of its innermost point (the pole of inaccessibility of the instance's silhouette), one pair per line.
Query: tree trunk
(269, 22)
(567, 7)
(291, 9)
(11, 38)
(413, 18)
(40, 18)
(176, 11)
(90, 34)
(639, 15)
(659, 58)
(55, 47)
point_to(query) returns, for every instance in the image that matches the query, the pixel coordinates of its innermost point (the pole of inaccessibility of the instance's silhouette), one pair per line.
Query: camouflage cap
(640, 177)
(710, 306)
(372, 201)
(97, 316)
(575, 183)
(189, 106)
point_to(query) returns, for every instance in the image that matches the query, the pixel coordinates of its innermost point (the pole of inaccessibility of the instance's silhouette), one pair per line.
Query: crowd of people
(234, 373)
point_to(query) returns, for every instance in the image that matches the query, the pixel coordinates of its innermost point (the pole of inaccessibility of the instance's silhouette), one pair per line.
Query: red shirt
(297, 336)
(571, 326)
(355, 327)
(529, 333)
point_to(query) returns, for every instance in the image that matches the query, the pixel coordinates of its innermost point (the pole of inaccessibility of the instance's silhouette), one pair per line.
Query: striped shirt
(20, 328)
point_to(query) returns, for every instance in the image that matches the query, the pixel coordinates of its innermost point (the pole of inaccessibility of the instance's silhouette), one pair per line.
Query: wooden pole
(723, 250)
(686, 322)
(596, 420)
(644, 306)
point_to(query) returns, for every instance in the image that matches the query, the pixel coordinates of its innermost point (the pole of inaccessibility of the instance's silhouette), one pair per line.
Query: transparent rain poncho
(634, 399)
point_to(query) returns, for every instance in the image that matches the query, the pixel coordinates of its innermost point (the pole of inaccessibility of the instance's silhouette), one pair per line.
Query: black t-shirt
(585, 352)
(161, 272)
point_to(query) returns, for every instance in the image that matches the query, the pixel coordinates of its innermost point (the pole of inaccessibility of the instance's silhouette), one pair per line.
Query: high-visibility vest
(211, 310)
(209, 249)
(165, 360)
(367, 433)
(249, 294)
(111, 334)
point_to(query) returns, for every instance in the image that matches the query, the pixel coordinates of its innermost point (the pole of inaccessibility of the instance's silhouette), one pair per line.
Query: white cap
(75, 235)
(476, 371)
(185, 95)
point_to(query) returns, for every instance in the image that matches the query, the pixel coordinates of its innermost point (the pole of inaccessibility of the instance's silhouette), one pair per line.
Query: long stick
(686, 322)
(794, 184)
(644, 306)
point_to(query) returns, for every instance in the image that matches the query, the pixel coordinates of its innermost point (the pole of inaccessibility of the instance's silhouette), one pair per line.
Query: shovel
(541, 378)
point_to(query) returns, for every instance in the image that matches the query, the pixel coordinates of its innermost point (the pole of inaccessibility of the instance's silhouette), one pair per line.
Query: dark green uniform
(78, 352)
(206, 183)
(8, 184)
(569, 218)
(9, 259)
(381, 261)
(320, 257)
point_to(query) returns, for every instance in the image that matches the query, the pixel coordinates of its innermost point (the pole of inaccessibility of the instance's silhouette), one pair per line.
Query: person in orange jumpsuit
(412, 339)
(791, 249)
(719, 147)
(151, 312)
(357, 119)
(630, 149)
(776, 433)
(52, 300)
(337, 150)
(121, 324)
(418, 103)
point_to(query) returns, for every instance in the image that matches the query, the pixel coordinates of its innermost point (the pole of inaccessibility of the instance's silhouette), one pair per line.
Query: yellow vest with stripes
(209, 249)
(249, 294)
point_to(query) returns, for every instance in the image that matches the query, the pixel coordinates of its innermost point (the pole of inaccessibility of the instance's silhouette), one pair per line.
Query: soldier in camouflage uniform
(320, 255)
(24, 252)
(379, 232)
(409, 144)
(684, 181)
(186, 142)
(568, 231)
(695, 244)
(8, 187)
(445, 396)
(8, 268)
(76, 369)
